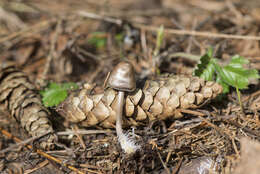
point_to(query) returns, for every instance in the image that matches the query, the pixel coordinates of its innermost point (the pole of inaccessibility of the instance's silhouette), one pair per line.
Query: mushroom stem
(119, 113)
(127, 144)
(122, 79)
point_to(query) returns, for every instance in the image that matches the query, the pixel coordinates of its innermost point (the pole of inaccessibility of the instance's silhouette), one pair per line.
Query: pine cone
(158, 99)
(18, 95)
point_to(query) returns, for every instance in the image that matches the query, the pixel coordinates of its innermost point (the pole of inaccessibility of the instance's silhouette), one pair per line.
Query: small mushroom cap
(122, 78)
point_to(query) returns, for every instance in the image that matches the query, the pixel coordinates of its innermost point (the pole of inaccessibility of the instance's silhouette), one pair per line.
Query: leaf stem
(239, 99)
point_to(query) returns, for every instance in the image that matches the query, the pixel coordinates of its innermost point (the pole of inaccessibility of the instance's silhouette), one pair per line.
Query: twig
(163, 163)
(185, 55)
(190, 40)
(85, 132)
(43, 153)
(37, 27)
(74, 129)
(187, 111)
(133, 12)
(42, 79)
(232, 8)
(42, 164)
(216, 128)
(12, 20)
(196, 33)
(235, 147)
(238, 125)
(167, 30)
(99, 17)
(250, 96)
(176, 169)
(144, 43)
(22, 143)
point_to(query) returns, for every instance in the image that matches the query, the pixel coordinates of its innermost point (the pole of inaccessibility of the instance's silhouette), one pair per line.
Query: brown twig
(44, 154)
(187, 111)
(12, 20)
(99, 17)
(28, 31)
(196, 33)
(75, 129)
(176, 169)
(184, 55)
(23, 143)
(42, 79)
(219, 130)
(42, 164)
(246, 129)
(85, 132)
(235, 147)
(163, 163)
(167, 30)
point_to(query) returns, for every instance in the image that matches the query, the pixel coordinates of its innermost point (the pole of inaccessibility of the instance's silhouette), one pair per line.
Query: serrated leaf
(238, 61)
(223, 84)
(234, 74)
(205, 69)
(55, 93)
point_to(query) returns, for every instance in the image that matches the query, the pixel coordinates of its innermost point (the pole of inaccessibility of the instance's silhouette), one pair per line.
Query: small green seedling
(98, 39)
(230, 75)
(55, 93)
(119, 38)
(159, 40)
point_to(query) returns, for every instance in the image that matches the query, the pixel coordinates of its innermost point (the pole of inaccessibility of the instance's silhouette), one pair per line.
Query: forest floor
(81, 41)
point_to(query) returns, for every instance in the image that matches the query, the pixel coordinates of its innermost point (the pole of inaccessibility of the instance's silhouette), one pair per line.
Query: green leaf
(238, 61)
(98, 39)
(55, 93)
(119, 38)
(205, 69)
(234, 74)
(224, 85)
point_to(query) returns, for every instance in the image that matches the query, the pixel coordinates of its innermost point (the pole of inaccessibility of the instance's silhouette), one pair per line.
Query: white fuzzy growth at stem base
(127, 144)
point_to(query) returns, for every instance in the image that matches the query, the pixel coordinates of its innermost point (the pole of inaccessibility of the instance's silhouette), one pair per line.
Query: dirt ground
(81, 41)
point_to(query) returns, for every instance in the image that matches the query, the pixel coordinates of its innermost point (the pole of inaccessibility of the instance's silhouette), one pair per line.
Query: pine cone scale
(18, 95)
(159, 99)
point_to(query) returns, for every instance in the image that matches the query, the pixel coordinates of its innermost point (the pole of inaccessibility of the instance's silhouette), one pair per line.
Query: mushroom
(122, 79)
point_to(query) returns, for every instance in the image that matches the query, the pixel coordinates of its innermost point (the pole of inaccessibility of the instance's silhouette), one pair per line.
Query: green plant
(119, 38)
(55, 93)
(98, 39)
(159, 40)
(231, 75)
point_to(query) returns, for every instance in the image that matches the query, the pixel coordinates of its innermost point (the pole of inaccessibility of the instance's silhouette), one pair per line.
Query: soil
(81, 41)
